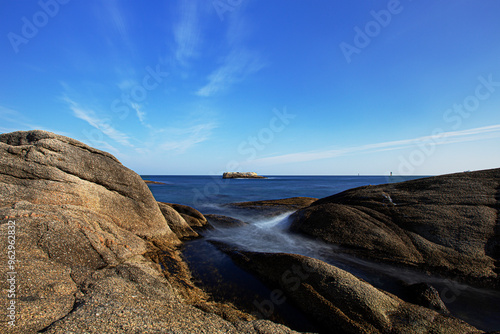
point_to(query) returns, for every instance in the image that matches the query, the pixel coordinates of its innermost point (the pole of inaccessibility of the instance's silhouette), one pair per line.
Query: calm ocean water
(201, 192)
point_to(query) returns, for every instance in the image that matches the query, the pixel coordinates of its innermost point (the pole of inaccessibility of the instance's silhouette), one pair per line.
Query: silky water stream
(217, 272)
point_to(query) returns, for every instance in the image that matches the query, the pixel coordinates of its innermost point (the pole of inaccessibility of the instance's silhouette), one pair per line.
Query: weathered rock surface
(446, 224)
(241, 175)
(86, 229)
(339, 301)
(44, 168)
(176, 222)
(193, 217)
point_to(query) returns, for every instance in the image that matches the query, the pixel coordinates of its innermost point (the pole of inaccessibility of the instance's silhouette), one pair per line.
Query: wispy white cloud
(116, 18)
(126, 84)
(13, 120)
(240, 61)
(141, 115)
(10, 115)
(181, 139)
(443, 138)
(237, 66)
(187, 31)
(101, 124)
(105, 146)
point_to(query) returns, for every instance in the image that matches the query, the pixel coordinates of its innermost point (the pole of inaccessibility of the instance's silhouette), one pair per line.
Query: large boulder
(446, 224)
(193, 217)
(44, 168)
(338, 301)
(82, 230)
(176, 222)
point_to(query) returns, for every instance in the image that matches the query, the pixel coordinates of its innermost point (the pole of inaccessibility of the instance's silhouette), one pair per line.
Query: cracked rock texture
(85, 229)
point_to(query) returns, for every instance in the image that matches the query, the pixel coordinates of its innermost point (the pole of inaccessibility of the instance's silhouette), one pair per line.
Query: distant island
(240, 175)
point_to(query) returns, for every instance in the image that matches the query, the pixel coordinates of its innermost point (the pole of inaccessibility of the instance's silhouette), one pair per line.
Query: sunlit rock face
(85, 230)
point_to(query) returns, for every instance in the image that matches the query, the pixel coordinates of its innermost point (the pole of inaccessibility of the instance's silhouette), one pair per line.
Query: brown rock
(45, 168)
(176, 222)
(153, 182)
(85, 231)
(192, 216)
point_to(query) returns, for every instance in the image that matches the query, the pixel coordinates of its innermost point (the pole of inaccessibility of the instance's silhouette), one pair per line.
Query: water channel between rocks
(219, 275)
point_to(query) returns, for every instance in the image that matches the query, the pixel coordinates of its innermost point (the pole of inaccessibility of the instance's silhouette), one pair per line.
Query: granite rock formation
(193, 217)
(447, 225)
(176, 222)
(86, 232)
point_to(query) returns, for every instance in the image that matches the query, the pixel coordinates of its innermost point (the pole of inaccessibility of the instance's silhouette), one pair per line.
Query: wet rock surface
(224, 221)
(272, 207)
(153, 182)
(339, 301)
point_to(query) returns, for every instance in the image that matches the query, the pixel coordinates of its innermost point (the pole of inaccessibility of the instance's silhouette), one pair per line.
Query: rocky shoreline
(95, 253)
(446, 225)
(153, 182)
(98, 254)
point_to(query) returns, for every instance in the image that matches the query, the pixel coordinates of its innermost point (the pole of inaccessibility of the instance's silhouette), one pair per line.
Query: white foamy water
(269, 235)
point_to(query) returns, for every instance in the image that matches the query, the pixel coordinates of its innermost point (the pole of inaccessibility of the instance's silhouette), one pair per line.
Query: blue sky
(277, 87)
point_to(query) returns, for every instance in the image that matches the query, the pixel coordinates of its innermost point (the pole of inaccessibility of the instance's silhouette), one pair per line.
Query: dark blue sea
(201, 192)
(227, 282)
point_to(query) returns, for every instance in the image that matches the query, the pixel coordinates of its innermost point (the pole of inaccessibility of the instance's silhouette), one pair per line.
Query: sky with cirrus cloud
(193, 87)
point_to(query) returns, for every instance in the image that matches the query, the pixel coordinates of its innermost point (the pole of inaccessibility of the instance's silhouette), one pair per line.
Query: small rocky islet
(242, 175)
(96, 253)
